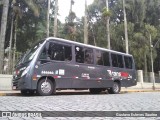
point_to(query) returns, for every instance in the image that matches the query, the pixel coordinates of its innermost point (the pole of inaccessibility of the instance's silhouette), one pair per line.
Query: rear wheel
(115, 89)
(45, 87)
(95, 90)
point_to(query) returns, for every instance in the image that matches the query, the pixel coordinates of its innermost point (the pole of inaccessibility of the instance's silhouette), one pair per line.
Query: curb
(9, 94)
(133, 91)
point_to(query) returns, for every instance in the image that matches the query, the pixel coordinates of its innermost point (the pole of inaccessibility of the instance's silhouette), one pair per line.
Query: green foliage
(151, 30)
(142, 18)
(106, 13)
(71, 17)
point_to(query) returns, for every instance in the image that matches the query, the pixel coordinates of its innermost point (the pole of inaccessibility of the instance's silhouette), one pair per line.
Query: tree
(125, 27)
(33, 6)
(55, 18)
(15, 43)
(10, 46)
(48, 18)
(106, 14)
(86, 24)
(3, 31)
(140, 14)
(69, 27)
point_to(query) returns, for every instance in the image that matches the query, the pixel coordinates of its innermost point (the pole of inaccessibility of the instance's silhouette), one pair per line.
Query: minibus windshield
(30, 53)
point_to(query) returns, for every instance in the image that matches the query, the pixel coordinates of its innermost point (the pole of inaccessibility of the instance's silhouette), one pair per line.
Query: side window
(59, 52)
(114, 60)
(128, 62)
(102, 58)
(68, 53)
(117, 60)
(106, 59)
(120, 61)
(88, 56)
(43, 54)
(79, 51)
(99, 58)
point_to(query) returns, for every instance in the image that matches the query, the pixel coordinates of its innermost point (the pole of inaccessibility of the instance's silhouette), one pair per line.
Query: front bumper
(20, 84)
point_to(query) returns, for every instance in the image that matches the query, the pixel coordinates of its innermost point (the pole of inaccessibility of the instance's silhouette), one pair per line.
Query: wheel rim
(115, 87)
(46, 87)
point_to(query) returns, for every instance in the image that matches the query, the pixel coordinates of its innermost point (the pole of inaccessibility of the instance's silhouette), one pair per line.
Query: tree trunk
(55, 18)
(85, 25)
(10, 49)
(48, 18)
(108, 33)
(94, 38)
(3, 32)
(125, 27)
(15, 42)
(145, 68)
(107, 27)
(71, 6)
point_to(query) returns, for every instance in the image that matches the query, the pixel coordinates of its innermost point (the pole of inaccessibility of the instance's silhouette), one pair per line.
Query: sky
(78, 8)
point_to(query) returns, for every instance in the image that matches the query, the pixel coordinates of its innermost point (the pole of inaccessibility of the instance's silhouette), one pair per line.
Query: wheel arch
(52, 89)
(118, 81)
(114, 90)
(49, 77)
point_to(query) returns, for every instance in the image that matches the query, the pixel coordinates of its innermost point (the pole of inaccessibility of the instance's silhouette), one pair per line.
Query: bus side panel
(84, 76)
(91, 76)
(68, 75)
(131, 80)
(127, 83)
(92, 83)
(64, 83)
(55, 70)
(127, 77)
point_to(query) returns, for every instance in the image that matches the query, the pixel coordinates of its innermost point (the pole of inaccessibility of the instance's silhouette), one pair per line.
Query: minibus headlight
(25, 71)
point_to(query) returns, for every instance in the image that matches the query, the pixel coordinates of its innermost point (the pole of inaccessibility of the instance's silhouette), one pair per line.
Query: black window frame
(47, 45)
(102, 56)
(75, 56)
(114, 60)
(131, 61)
(120, 65)
(109, 56)
(117, 60)
(91, 54)
(83, 49)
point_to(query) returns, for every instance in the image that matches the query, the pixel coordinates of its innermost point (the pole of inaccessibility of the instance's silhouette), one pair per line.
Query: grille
(15, 82)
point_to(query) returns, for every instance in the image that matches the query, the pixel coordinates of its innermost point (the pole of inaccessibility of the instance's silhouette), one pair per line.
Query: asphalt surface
(82, 101)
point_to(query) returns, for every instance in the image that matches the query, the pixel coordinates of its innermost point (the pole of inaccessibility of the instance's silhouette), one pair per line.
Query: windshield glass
(30, 53)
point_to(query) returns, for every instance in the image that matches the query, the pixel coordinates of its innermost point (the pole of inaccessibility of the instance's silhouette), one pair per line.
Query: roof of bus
(91, 46)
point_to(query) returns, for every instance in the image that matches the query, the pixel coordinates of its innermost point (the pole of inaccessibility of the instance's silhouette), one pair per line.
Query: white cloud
(78, 8)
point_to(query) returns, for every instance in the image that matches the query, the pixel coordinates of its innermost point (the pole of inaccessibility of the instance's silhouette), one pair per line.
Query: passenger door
(59, 63)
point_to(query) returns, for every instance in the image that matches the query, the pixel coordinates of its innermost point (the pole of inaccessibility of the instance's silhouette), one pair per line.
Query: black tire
(27, 92)
(115, 89)
(45, 87)
(95, 90)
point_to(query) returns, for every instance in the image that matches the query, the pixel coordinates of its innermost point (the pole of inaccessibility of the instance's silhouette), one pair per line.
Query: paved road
(145, 101)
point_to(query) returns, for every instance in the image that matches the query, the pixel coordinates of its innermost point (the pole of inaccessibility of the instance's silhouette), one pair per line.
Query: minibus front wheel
(45, 87)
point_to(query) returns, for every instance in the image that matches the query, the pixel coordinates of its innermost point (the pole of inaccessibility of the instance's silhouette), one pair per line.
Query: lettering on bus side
(124, 75)
(57, 72)
(85, 75)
